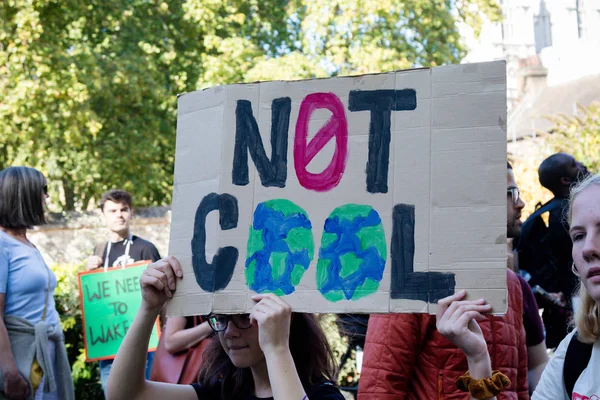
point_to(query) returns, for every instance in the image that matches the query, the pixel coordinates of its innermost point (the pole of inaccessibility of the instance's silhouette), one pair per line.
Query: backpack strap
(549, 206)
(527, 225)
(576, 360)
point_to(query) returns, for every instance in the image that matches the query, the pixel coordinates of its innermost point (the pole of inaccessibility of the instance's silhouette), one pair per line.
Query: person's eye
(577, 237)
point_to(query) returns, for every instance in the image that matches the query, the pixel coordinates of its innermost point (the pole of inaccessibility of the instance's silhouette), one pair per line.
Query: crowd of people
(274, 353)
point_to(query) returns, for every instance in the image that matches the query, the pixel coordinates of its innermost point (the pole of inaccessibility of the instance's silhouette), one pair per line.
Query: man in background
(122, 248)
(537, 354)
(545, 250)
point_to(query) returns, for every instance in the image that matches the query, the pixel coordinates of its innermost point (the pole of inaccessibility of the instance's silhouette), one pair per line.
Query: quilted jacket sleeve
(391, 347)
(514, 285)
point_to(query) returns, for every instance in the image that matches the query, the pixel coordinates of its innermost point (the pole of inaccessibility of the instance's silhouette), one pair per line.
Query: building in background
(552, 49)
(547, 44)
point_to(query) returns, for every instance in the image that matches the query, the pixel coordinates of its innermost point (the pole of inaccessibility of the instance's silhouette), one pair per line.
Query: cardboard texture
(109, 301)
(375, 193)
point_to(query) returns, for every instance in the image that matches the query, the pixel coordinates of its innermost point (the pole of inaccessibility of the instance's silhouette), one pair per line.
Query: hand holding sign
(93, 262)
(456, 320)
(158, 282)
(273, 316)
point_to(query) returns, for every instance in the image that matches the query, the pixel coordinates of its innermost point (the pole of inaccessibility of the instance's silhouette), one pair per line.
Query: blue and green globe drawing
(353, 253)
(280, 247)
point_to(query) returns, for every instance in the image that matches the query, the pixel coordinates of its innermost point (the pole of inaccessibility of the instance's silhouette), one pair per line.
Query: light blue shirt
(24, 281)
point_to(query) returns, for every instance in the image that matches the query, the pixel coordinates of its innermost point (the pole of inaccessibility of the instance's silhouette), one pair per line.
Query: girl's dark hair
(309, 348)
(21, 197)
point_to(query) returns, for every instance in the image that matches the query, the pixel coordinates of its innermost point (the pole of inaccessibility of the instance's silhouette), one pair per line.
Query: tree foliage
(88, 88)
(578, 135)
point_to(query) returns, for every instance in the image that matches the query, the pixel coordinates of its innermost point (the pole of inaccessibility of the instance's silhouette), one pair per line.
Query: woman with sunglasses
(270, 353)
(33, 359)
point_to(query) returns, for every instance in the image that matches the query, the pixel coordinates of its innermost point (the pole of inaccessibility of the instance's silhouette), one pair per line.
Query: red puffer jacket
(406, 358)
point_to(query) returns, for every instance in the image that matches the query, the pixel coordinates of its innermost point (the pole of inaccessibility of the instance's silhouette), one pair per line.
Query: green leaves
(88, 88)
(579, 135)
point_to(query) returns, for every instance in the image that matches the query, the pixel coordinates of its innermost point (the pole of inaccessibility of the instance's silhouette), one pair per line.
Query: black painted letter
(407, 284)
(216, 275)
(381, 103)
(247, 139)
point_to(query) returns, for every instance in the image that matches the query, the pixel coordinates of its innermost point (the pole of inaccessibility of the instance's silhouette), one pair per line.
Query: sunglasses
(219, 322)
(515, 193)
(45, 189)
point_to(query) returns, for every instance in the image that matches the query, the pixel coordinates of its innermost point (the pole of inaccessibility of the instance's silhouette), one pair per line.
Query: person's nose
(231, 330)
(520, 204)
(591, 247)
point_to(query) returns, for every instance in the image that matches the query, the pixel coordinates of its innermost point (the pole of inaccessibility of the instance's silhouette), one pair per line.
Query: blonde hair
(587, 316)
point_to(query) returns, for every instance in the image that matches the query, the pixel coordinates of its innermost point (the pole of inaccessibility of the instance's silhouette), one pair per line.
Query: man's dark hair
(552, 169)
(508, 166)
(22, 191)
(116, 196)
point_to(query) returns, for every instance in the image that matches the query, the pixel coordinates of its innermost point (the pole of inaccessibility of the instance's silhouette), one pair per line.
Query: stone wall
(71, 237)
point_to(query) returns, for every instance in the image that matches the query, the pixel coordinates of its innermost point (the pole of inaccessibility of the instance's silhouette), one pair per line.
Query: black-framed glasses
(218, 322)
(515, 194)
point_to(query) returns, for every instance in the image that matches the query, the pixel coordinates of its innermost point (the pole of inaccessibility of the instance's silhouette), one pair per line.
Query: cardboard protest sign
(374, 193)
(109, 301)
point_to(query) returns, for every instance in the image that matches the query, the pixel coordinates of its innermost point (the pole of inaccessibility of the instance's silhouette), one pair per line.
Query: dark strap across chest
(576, 360)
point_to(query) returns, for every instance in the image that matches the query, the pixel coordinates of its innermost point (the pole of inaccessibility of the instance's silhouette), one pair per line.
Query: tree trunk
(69, 194)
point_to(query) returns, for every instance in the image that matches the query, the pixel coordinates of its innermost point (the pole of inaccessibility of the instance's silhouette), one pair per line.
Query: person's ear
(566, 181)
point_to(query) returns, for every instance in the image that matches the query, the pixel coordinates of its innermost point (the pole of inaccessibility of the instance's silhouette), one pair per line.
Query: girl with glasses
(270, 353)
